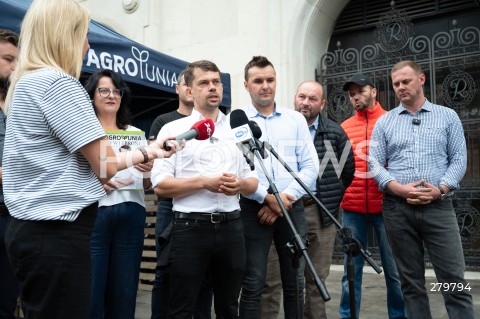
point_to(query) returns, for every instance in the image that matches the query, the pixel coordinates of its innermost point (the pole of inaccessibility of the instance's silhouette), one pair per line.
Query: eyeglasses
(105, 92)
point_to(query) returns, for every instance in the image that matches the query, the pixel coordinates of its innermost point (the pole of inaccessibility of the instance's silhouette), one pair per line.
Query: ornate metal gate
(451, 61)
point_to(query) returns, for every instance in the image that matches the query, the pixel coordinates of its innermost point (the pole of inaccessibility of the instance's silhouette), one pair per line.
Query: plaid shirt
(428, 145)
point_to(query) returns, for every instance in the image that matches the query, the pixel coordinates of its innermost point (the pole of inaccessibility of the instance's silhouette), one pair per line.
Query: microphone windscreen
(238, 118)
(256, 130)
(205, 129)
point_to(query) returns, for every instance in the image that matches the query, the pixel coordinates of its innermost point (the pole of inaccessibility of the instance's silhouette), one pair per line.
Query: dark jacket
(330, 186)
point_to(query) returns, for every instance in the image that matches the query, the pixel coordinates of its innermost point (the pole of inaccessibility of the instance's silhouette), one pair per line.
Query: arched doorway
(444, 38)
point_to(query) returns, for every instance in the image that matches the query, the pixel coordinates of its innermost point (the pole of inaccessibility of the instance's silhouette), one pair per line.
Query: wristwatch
(442, 192)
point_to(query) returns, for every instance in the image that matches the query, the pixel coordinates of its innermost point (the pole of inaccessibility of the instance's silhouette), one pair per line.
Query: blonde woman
(56, 160)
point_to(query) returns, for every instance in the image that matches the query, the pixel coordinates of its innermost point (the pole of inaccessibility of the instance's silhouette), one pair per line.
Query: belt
(308, 201)
(215, 217)
(4, 210)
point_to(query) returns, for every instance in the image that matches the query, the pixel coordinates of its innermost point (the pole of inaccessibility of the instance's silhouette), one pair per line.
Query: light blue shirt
(433, 150)
(313, 128)
(287, 132)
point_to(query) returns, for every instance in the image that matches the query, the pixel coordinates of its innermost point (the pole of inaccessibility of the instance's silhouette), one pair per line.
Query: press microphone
(243, 135)
(257, 133)
(201, 130)
(239, 124)
(416, 121)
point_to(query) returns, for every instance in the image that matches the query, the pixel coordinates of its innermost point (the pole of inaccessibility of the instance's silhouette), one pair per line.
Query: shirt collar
(426, 107)
(198, 116)
(315, 123)
(252, 112)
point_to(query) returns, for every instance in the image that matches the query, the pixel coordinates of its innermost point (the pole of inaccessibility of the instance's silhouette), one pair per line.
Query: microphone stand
(297, 246)
(351, 247)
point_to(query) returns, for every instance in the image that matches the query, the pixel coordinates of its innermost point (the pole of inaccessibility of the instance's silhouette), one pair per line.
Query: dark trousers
(258, 239)
(410, 229)
(201, 246)
(160, 289)
(8, 282)
(52, 262)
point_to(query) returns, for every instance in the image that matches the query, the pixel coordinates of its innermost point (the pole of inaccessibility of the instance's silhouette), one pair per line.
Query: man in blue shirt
(287, 132)
(418, 157)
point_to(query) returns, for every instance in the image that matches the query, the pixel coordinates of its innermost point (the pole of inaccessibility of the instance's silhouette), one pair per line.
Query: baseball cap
(360, 79)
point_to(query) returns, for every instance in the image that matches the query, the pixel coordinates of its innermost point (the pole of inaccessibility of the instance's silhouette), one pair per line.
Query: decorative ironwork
(451, 62)
(393, 30)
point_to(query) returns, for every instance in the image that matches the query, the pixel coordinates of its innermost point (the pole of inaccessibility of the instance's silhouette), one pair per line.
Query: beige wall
(293, 34)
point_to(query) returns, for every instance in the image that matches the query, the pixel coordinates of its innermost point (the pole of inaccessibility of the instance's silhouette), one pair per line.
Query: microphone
(257, 133)
(201, 130)
(243, 135)
(416, 121)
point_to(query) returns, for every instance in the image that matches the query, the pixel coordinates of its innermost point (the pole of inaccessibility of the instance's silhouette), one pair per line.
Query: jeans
(160, 289)
(272, 292)
(433, 227)
(52, 261)
(358, 223)
(9, 283)
(199, 247)
(116, 246)
(258, 239)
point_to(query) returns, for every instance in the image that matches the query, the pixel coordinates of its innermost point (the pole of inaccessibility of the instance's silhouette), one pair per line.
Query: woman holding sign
(117, 238)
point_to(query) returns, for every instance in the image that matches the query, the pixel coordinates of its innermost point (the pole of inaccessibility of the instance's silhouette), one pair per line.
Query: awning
(110, 50)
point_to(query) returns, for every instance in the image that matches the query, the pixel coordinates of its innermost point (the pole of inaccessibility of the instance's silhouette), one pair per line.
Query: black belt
(308, 201)
(4, 210)
(215, 217)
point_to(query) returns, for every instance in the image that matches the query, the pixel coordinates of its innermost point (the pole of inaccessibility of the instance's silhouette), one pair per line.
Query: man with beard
(204, 180)
(362, 203)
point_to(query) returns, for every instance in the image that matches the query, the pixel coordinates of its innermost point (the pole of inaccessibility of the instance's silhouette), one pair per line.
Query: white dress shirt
(209, 158)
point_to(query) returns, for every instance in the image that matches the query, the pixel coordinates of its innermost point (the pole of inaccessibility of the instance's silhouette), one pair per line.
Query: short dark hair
(204, 65)
(257, 61)
(9, 36)
(123, 117)
(181, 75)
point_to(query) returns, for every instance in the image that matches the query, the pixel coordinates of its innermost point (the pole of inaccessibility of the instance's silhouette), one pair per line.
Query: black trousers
(198, 247)
(52, 262)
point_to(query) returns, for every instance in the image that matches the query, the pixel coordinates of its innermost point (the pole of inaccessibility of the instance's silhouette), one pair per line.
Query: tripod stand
(351, 246)
(297, 246)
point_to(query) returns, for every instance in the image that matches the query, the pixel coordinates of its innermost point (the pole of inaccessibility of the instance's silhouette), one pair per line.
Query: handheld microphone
(201, 130)
(257, 133)
(243, 135)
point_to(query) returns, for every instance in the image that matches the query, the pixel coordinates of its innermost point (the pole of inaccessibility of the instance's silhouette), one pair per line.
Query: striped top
(434, 149)
(45, 177)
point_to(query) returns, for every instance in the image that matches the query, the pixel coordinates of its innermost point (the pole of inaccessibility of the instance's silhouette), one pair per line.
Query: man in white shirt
(204, 180)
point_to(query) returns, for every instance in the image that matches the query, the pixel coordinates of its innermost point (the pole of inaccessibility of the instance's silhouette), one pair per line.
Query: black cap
(360, 79)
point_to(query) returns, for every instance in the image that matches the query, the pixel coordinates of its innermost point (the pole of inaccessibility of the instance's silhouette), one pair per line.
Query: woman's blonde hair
(52, 35)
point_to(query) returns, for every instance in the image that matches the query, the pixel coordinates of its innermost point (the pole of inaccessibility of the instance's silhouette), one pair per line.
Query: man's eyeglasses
(105, 92)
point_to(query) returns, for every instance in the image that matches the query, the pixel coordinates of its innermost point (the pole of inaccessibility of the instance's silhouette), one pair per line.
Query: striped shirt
(428, 145)
(45, 177)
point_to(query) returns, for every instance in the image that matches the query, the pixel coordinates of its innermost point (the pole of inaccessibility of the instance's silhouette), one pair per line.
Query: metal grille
(448, 50)
(363, 14)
